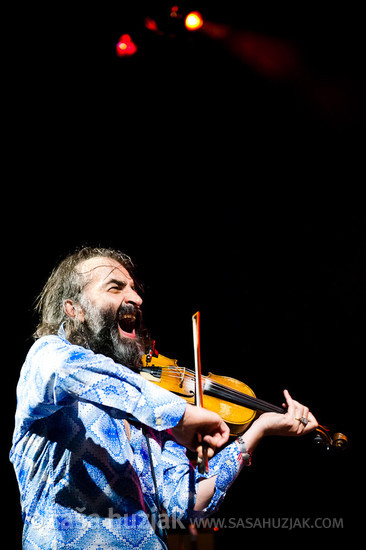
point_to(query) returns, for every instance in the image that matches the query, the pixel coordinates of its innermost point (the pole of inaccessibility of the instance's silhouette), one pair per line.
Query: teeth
(129, 317)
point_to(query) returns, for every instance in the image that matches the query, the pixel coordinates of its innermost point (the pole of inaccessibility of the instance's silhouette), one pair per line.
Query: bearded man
(100, 452)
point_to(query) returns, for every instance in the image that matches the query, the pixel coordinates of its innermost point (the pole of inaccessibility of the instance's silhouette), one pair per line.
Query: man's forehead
(100, 268)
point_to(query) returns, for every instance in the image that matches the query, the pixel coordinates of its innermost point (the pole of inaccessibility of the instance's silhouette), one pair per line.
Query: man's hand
(287, 424)
(197, 424)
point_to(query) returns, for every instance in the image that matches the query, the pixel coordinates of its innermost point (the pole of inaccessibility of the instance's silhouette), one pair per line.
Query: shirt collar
(61, 332)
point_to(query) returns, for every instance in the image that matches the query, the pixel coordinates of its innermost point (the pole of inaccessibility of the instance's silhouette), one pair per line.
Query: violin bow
(202, 463)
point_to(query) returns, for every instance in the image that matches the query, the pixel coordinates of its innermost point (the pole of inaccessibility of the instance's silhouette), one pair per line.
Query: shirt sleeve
(57, 373)
(179, 484)
(226, 465)
(181, 480)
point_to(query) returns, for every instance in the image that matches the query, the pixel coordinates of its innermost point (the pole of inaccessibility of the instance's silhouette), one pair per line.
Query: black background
(236, 192)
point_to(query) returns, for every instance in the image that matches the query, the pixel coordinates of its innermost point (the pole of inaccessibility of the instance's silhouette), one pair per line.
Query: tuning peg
(340, 441)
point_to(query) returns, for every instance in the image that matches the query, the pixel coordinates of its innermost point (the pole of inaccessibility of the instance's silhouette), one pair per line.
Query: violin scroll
(336, 441)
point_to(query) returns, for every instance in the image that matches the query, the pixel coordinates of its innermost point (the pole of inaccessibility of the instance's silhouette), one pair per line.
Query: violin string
(220, 390)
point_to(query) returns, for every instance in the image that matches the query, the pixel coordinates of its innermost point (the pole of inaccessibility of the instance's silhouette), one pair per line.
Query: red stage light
(174, 11)
(150, 24)
(125, 46)
(193, 21)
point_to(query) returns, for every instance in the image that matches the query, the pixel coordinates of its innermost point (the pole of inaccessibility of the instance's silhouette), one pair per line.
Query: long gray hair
(66, 283)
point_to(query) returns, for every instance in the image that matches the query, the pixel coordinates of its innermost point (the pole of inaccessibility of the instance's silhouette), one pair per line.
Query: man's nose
(131, 297)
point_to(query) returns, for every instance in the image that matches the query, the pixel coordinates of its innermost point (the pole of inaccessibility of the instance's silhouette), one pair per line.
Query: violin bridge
(181, 378)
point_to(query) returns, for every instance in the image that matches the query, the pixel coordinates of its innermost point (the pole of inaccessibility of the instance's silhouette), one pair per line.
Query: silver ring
(303, 420)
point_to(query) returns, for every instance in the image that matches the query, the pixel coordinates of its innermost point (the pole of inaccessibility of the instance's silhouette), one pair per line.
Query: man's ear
(74, 310)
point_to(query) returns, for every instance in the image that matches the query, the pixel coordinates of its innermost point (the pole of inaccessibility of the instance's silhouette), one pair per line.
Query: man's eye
(114, 288)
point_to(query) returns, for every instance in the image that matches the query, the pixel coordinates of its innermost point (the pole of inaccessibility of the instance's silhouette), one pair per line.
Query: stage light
(174, 11)
(125, 46)
(151, 24)
(193, 21)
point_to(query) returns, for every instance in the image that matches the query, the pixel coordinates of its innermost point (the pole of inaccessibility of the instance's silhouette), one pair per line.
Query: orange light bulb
(193, 21)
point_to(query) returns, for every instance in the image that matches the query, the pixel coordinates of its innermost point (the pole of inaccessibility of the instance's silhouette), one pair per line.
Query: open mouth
(127, 324)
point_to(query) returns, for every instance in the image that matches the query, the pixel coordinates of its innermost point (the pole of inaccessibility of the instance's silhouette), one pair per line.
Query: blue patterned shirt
(83, 482)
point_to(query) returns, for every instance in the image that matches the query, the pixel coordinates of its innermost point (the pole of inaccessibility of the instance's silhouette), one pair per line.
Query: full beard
(99, 332)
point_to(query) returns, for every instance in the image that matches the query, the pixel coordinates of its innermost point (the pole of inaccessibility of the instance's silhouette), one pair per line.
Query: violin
(232, 399)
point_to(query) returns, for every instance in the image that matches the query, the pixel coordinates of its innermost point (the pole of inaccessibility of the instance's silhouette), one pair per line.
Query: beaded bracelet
(246, 456)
